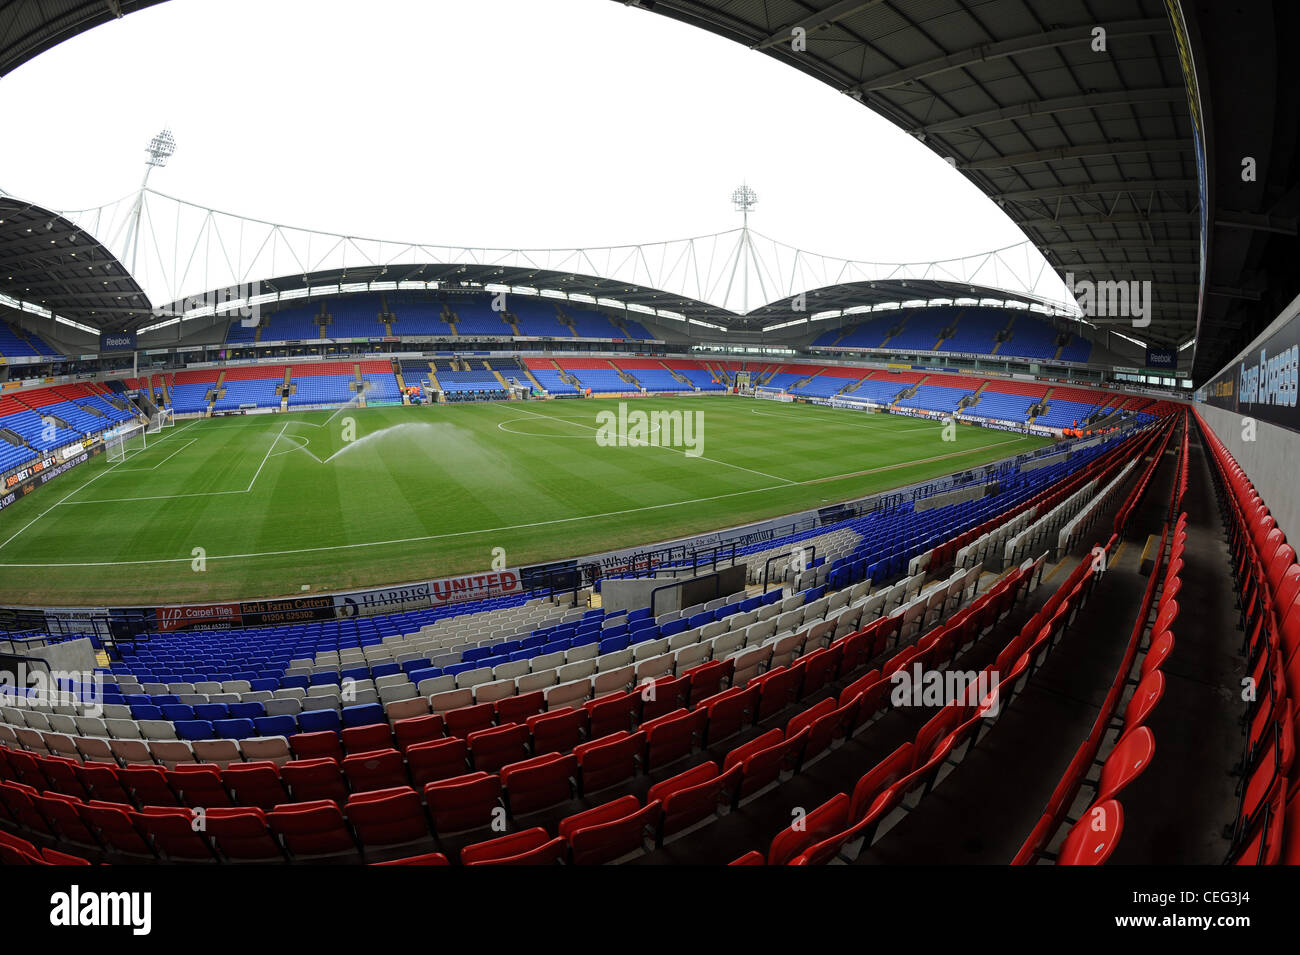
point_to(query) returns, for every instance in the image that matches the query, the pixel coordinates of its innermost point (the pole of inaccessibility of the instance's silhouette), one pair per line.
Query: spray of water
(411, 433)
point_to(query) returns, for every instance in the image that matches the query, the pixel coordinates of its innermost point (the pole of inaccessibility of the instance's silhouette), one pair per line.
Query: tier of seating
(477, 378)
(973, 331)
(375, 767)
(34, 415)
(1266, 829)
(16, 342)
(358, 316)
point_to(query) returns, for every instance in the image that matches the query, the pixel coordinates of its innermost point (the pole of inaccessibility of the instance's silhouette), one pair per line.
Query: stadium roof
(48, 264)
(1105, 158)
(1090, 152)
(30, 27)
(183, 254)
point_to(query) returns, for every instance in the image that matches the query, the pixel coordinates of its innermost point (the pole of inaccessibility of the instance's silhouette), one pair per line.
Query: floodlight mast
(743, 201)
(160, 149)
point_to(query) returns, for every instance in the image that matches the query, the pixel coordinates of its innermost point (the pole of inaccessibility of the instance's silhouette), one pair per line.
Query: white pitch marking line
(169, 497)
(496, 530)
(79, 487)
(164, 460)
(266, 458)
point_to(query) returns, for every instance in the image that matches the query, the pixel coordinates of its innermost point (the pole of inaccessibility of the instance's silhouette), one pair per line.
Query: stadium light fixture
(161, 148)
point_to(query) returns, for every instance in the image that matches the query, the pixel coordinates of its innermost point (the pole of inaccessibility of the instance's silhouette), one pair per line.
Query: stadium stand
(20, 343)
(973, 331)
(253, 720)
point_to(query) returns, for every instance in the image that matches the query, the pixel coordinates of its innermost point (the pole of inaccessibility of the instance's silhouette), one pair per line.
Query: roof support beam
(1069, 245)
(1063, 104)
(1115, 218)
(1256, 223)
(1006, 48)
(1079, 152)
(1110, 269)
(1082, 190)
(816, 21)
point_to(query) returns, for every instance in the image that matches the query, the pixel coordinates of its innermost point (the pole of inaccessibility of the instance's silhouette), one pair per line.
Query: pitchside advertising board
(366, 603)
(1264, 383)
(21, 483)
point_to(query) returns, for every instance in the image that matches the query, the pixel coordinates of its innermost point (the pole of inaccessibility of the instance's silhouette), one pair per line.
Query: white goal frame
(772, 394)
(162, 418)
(117, 446)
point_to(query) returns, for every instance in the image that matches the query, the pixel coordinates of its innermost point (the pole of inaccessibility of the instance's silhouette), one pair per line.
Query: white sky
(506, 123)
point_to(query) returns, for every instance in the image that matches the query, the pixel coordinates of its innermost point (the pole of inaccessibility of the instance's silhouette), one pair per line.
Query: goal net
(163, 418)
(772, 394)
(128, 439)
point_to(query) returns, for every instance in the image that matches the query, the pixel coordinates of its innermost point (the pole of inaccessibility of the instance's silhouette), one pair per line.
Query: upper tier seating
(20, 343)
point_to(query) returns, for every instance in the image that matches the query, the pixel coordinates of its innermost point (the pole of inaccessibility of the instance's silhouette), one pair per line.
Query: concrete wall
(1272, 460)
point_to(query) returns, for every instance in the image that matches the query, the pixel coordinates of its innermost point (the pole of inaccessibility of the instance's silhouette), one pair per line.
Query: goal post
(127, 439)
(772, 394)
(162, 418)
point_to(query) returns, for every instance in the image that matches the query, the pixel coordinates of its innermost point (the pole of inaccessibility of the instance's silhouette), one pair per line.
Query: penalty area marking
(490, 530)
(119, 468)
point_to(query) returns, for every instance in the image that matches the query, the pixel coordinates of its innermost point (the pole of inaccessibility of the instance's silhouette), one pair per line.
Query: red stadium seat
(707, 678)
(417, 729)
(530, 847)
(604, 762)
(663, 695)
(672, 736)
(729, 712)
(557, 732)
(381, 769)
(540, 782)
(311, 780)
(1126, 762)
(255, 784)
(609, 831)
(493, 748)
(241, 834)
(198, 784)
(827, 819)
(692, 796)
(101, 782)
(465, 802)
(1093, 838)
(610, 714)
(777, 690)
(147, 785)
(312, 829)
(322, 745)
(116, 830)
(438, 759)
(517, 709)
(387, 817)
(63, 816)
(364, 739)
(428, 858)
(172, 830)
(469, 719)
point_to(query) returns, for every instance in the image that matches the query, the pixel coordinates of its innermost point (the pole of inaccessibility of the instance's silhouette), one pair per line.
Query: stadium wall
(1269, 454)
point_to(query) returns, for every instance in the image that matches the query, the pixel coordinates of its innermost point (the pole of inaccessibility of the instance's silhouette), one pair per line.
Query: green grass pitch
(279, 502)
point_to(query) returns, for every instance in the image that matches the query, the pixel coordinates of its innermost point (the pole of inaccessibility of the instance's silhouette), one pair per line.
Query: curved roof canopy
(50, 265)
(186, 256)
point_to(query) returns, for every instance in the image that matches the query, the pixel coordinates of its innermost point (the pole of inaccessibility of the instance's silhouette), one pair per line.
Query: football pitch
(267, 505)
